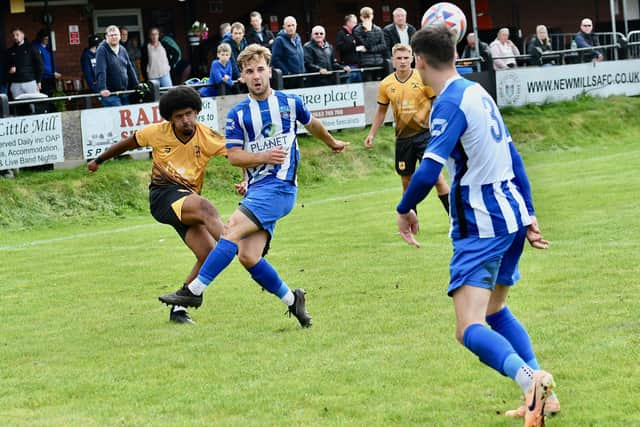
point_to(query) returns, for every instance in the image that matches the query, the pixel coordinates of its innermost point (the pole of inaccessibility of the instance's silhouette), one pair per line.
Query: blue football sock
(217, 260)
(492, 349)
(507, 325)
(268, 278)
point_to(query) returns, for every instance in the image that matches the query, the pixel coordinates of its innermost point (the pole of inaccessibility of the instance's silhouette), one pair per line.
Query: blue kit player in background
(491, 217)
(261, 137)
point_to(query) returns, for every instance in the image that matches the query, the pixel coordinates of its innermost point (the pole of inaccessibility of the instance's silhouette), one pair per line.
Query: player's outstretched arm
(113, 151)
(317, 129)
(378, 119)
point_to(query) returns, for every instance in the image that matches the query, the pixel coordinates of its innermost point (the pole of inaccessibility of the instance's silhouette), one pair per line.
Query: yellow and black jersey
(177, 162)
(410, 101)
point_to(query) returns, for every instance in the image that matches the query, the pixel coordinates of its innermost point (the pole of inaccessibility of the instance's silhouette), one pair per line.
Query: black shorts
(161, 197)
(409, 151)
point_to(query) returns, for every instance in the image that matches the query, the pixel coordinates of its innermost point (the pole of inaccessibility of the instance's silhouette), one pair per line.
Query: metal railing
(149, 91)
(566, 56)
(633, 44)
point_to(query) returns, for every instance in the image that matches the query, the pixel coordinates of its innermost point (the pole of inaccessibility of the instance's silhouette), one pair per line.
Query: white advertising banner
(538, 85)
(337, 107)
(101, 127)
(31, 141)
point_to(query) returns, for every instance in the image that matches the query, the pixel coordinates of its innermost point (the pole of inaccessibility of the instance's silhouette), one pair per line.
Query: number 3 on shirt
(496, 122)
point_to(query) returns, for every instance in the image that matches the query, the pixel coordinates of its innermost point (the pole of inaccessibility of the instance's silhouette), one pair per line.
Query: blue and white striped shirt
(469, 135)
(258, 126)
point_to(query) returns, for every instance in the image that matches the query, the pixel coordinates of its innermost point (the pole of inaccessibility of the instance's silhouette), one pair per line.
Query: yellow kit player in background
(410, 101)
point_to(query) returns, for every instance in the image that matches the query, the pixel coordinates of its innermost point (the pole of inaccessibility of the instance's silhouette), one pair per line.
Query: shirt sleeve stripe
(434, 157)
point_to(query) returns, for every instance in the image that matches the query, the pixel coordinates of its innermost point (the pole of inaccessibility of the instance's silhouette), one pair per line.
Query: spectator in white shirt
(503, 51)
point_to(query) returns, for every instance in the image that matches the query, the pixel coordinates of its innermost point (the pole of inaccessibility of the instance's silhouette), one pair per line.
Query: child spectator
(220, 73)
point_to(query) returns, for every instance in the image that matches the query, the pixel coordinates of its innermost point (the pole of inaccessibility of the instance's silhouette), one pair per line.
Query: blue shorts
(267, 201)
(484, 262)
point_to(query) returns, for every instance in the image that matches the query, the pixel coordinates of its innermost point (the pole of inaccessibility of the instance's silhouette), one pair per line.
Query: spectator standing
(288, 55)
(371, 44)
(225, 30)
(237, 42)
(135, 54)
(503, 51)
(88, 62)
(538, 45)
(485, 52)
(180, 69)
(319, 57)
(49, 75)
(155, 60)
(586, 38)
(114, 70)
(398, 31)
(346, 47)
(220, 73)
(126, 43)
(25, 65)
(259, 34)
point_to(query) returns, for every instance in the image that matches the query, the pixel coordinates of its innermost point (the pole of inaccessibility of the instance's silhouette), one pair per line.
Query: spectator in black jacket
(25, 65)
(114, 70)
(538, 45)
(371, 44)
(259, 34)
(346, 48)
(399, 31)
(319, 58)
(585, 38)
(485, 52)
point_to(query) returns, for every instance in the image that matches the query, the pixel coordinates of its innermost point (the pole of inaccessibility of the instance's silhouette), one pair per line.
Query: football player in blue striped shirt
(261, 138)
(491, 217)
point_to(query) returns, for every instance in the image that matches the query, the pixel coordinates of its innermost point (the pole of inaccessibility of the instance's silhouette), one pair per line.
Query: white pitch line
(137, 227)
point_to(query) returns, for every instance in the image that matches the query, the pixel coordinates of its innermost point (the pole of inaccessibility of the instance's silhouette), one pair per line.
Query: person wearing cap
(88, 61)
(50, 75)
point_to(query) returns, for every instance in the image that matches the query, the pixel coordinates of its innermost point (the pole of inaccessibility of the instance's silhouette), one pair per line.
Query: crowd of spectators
(119, 62)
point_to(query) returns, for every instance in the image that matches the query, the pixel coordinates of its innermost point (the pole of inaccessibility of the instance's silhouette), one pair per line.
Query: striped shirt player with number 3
(491, 217)
(261, 138)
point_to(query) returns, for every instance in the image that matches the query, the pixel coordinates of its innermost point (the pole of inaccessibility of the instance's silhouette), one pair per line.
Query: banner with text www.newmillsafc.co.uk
(337, 107)
(537, 85)
(105, 126)
(31, 141)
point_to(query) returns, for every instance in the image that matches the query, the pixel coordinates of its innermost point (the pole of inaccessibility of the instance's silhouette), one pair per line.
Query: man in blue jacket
(50, 75)
(288, 55)
(114, 70)
(235, 39)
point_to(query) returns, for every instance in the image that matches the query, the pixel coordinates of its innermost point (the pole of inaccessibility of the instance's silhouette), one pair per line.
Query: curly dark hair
(178, 98)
